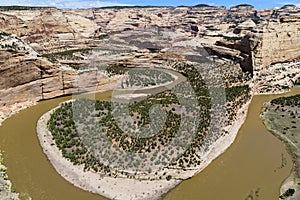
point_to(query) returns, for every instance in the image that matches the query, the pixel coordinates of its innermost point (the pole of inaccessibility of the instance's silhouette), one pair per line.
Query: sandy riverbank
(113, 188)
(291, 181)
(224, 142)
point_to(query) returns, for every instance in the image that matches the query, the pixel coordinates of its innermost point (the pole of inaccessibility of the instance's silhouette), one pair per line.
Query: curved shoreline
(291, 180)
(220, 146)
(113, 188)
(224, 142)
(121, 188)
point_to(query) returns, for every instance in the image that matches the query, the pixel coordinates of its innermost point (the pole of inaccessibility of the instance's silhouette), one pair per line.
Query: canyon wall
(279, 42)
(254, 39)
(27, 78)
(277, 53)
(38, 79)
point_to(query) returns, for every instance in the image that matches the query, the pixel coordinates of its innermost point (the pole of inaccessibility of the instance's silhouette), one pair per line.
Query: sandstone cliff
(253, 39)
(276, 57)
(38, 47)
(280, 42)
(27, 78)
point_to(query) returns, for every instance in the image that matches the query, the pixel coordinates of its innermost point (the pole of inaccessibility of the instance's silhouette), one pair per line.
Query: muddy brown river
(255, 165)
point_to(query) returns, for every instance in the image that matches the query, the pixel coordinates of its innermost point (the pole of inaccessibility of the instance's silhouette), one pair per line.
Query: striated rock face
(50, 30)
(47, 28)
(256, 46)
(279, 42)
(253, 39)
(25, 77)
(286, 13)
(36, 61)
(241, 13)
(22, 72)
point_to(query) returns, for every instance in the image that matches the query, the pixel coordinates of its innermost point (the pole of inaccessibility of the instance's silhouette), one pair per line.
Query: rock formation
(27, 78)
(64, 38)
(42, 49)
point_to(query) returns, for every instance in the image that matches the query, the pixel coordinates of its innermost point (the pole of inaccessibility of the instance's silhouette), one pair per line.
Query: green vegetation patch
(64, 132)
(232, 93)
(116, 70)
(287, 101)
(76, 67)
(110, 121)
(289, 193)
(236, 97)
(103, 120)
(101, 37)
(66, 55)
(148, 77)
(140, 77)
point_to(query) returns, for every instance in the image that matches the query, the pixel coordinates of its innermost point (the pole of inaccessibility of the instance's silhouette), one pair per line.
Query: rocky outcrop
(245, 27)
(279, 43)
(27, 78)
(24, 76)
(236, 48)
(277, 78)
(254, 39)
(288, 13)
(241, 13)
(256, 46)
(48, 29)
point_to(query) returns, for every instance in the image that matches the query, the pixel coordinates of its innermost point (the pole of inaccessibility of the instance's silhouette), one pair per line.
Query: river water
(251, 166)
